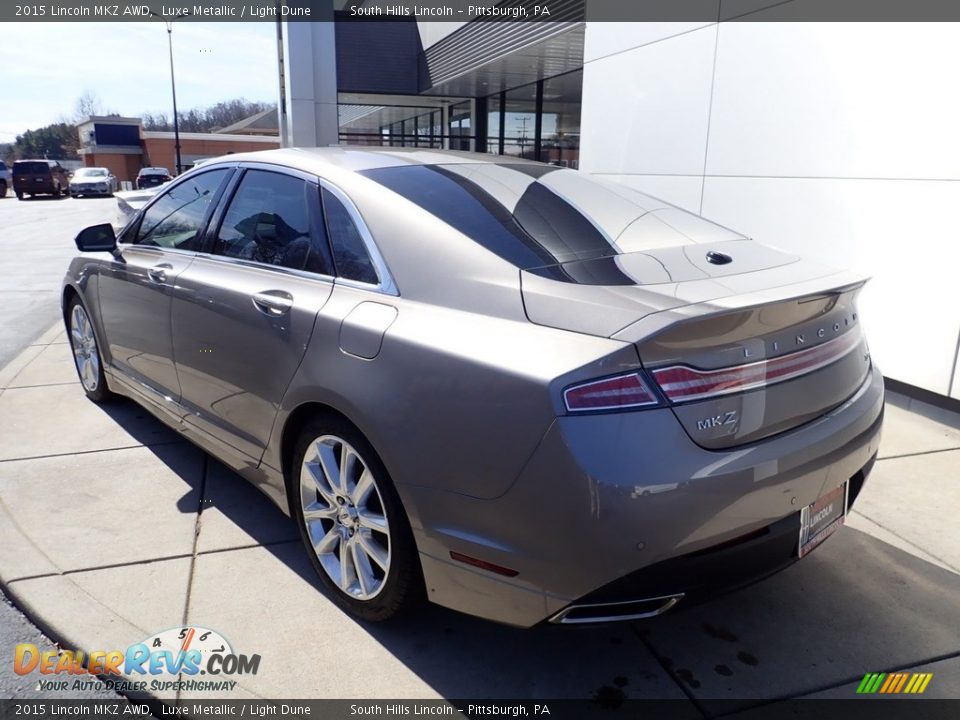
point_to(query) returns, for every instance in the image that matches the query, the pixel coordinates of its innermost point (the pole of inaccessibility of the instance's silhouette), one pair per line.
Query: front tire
(3, 188)
(86, 353)
(352, 523)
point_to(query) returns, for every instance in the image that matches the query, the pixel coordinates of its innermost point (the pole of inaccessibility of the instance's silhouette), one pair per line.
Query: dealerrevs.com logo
(186, 658)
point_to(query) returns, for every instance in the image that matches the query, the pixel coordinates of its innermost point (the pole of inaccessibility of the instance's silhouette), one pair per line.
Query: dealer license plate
(820, 519)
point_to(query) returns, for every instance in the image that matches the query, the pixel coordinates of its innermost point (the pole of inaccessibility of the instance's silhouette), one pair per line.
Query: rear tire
(352, 523)
(86, 352)
(19, 196)
(3, 188)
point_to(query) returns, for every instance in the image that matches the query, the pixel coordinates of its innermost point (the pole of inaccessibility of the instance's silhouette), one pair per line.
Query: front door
(135, 289)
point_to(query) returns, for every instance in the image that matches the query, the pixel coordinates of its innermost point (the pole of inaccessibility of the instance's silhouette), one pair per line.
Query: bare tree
(87, 104)
(209, 119)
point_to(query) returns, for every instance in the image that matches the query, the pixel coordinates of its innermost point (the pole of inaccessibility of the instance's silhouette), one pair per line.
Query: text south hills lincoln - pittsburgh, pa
(172, 12)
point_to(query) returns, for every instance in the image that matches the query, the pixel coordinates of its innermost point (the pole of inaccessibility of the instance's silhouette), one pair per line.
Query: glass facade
(520, 122)
(538, 121)
(391, 125)
(560, 113)
(460, 127)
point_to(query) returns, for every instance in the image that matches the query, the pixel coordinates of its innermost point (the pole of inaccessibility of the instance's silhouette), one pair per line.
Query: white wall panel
(647, 109)
(902, 233)
(608, 38)
(836, 100)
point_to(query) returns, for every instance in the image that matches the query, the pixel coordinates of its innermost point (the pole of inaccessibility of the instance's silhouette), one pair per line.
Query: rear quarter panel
(454, 400)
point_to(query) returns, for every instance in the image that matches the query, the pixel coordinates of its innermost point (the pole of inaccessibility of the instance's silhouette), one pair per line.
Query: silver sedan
(507, 387)
(93, 181)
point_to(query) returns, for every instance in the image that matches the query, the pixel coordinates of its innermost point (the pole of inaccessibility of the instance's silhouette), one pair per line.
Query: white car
(93, 181)
(130, 201)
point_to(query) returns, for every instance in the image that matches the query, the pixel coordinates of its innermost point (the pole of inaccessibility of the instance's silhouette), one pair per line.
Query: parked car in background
(6, 179)
(152, 176)
(93, 181)
(40, 177)
(511, 388)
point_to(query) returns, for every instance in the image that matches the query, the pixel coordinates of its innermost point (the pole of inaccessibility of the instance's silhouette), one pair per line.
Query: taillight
(684, 384)
(614, 393)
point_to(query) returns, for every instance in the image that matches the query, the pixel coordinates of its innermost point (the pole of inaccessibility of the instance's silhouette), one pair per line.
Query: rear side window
(31, 167)
(268, 222)
(177, 217)
(349, 251)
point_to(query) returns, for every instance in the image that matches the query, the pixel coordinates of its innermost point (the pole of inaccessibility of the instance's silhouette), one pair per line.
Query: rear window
(536, 216)
(31, 166)
(467, 207)
(530, 215)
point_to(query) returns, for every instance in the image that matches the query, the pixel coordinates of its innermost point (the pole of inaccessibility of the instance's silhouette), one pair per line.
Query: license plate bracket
(821, 518)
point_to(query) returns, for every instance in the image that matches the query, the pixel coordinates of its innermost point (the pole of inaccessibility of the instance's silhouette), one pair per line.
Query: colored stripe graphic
(903, 680)
(871, 683)
(891, 680)
(894, 683)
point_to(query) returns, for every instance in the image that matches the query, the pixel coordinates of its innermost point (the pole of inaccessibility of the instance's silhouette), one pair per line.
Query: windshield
(91, 172)
(31, 166)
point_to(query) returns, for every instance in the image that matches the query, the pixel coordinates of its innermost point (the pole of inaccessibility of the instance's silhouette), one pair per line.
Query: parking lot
(114, 529)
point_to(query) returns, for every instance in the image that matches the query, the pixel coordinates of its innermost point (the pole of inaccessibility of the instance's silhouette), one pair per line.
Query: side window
(349, 253)
(175, 220)
(268, 222)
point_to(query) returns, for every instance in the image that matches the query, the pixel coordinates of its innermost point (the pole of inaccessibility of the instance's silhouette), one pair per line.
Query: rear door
(135, 288)
(243, 312)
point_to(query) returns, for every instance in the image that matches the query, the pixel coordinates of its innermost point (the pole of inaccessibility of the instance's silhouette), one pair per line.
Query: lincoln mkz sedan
(507, 387)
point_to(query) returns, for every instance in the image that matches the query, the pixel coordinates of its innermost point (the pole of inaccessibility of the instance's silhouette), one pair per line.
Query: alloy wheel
(345, 517)
(84, 345)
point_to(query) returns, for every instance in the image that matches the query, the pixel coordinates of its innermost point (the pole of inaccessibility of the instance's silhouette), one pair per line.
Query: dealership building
(835, 140)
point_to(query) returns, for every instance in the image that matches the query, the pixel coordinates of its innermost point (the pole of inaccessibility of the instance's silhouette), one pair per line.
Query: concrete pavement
(37, 240)
(113, 529)
(37, 244)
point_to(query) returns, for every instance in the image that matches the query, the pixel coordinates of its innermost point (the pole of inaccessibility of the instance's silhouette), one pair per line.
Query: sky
(45, 67)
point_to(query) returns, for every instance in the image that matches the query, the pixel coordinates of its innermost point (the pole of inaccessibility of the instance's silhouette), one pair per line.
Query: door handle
(158, 273)
(273, 302)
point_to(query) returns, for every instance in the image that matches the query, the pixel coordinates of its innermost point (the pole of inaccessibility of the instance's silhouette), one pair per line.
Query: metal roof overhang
(483, 58)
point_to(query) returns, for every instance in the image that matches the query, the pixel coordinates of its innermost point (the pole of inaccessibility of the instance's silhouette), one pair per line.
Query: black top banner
(601, 708)
(700, 11)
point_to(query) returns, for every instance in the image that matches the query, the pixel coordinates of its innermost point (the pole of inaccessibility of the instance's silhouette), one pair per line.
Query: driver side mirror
(96, 238)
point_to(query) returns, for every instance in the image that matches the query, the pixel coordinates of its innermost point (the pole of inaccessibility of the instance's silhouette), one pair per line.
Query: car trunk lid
(742, 349)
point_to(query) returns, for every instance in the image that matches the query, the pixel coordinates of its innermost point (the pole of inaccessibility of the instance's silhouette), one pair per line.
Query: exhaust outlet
(616, 611)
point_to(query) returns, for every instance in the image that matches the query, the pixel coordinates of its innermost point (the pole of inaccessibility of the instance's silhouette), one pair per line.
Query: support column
(308, 81)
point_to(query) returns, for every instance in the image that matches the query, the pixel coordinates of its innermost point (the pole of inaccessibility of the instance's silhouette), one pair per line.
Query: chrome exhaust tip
(615, 612)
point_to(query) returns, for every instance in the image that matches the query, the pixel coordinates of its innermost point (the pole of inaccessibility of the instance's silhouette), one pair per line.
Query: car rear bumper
(625, 507)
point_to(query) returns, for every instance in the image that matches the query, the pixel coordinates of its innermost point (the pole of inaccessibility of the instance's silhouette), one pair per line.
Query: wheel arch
(293, 425)
(83, 291)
